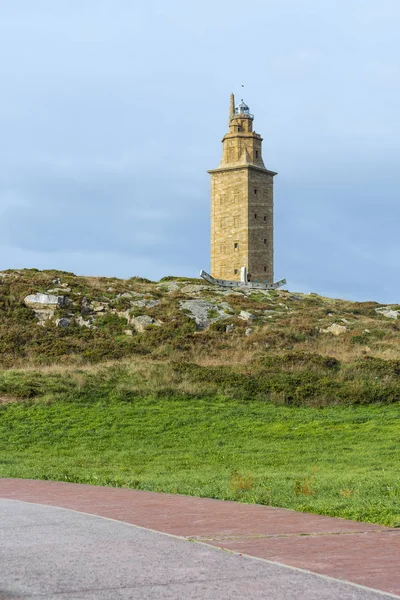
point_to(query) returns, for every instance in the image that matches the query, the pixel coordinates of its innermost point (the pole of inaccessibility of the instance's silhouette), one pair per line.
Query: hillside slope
(193, 338)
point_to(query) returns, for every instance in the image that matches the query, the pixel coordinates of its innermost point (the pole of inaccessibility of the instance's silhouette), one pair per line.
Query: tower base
(248, 285)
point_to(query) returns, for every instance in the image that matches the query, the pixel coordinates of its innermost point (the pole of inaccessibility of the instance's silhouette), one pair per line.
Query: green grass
(340, 461)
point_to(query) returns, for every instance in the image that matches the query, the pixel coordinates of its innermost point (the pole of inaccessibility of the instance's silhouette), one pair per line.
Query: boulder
(388, 312)
(142, 321)
(246, 316)
(229, 328)
(145, 303)
(194, 288)
(45, 305)
(129, 295)
(170, 286)
(43, 316)
(45, 301)
(98, 307)
(248, 331)
(335, 329)
(63, 323)
(205, 312)
(83, 323)
(86, 307)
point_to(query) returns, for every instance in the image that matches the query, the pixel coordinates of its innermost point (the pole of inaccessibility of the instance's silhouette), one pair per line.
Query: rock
(43, 316)
(295, 297)
(170, 286)
(388, 312)
(229, 328)
(226, 307)
(246, 316)
(45, 305)
(142, 321)
(248, 331)
(98, 307)
(228, 292)
(204, 312)
(86, 307)
(367, 331)
(194, 288)
(145, 303)
(249, 292)
(128, 332)
(45, 301)
(129, 295)
(345, 321)
(56, 281)
(58, 290)
(335, 329)
(63, 323)
(82, 323)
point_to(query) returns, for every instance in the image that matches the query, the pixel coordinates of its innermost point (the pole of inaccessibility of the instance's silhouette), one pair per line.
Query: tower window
(235, 271)
(255, 215)
(265, 240)
(236, 245)
(256, 153)
(255, 190)
(265, 218)
(239, 128)
(265, 269)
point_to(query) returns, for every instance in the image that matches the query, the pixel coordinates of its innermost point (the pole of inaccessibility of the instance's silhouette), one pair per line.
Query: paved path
(358, 552)
(48, 553)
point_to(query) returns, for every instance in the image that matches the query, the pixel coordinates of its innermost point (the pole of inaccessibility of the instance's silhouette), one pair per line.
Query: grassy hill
(279, 398)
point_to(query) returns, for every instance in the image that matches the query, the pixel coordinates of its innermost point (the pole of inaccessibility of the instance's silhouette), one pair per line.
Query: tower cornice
(242, 134)
(241, 167)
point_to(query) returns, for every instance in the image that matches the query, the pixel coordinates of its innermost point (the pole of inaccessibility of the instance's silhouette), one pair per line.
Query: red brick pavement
(359, 552)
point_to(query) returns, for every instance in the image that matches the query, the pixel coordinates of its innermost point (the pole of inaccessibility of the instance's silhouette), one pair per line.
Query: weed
(303, 486)
(240, 482)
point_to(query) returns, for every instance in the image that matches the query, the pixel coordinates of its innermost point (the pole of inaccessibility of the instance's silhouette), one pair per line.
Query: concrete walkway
(356, 552)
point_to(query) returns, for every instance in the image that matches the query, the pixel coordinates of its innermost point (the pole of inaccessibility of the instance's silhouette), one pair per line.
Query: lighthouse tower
(242, 225)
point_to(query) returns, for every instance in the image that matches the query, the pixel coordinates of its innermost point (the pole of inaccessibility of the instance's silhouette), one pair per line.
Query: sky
(111, 112)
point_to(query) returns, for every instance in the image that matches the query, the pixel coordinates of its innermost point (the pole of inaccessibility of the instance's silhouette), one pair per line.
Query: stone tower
(242, 204)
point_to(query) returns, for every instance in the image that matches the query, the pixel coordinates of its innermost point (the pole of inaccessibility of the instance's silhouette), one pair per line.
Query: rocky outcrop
(335, 329)
(388, 312)
(193, 288)
(40, 301)
(63, 323)
(145, 303)
(205, 312)
(45, 305)
(142, 321)
(246, 316)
